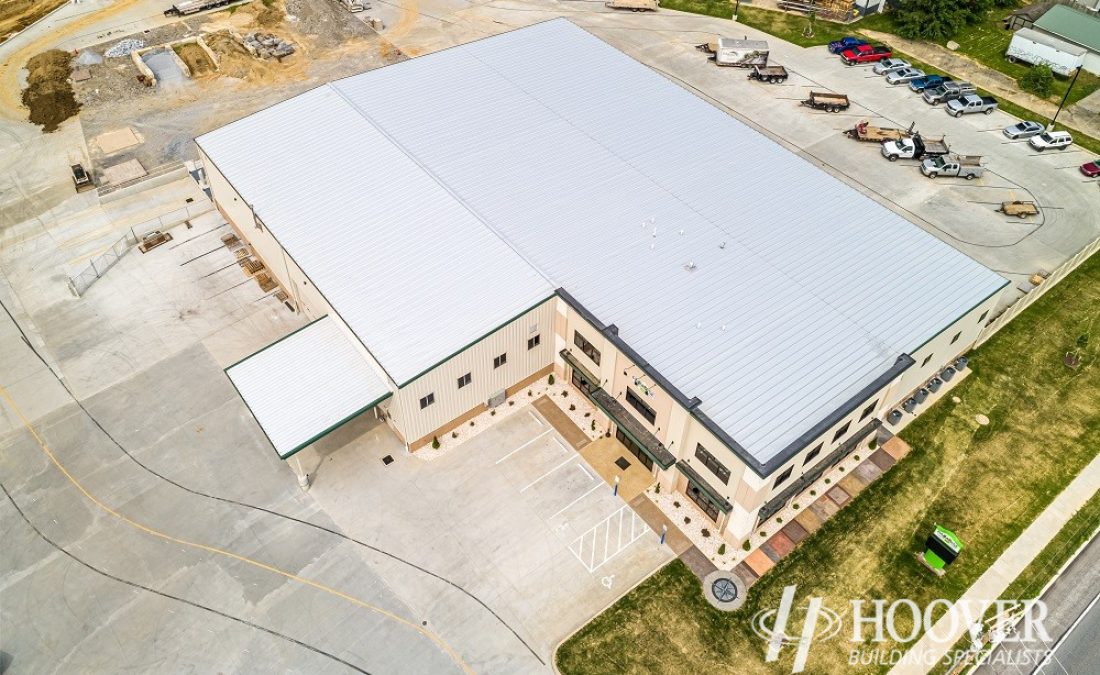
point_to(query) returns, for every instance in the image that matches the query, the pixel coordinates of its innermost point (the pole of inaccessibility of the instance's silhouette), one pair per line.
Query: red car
(866, 54)
(1091, 169)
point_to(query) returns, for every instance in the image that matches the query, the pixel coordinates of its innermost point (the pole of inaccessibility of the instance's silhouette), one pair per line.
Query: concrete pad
(602, 455)
(698, 562)
(772, 554)
(781, 543)
(824, 508)
(809, 520)
(882, 460)
(838, 495)
(114, 141)
(867, 471)
(746, 573)
(759, 562)
(852, 484)
(896, 448)
(795, 531)
(120, 173)
(557, 418)
(675, 539)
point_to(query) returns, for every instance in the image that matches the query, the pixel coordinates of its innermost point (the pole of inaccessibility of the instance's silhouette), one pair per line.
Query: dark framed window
(586, 347)
(982, 317)
(926, 360)
(841, 431)
(812, 454)
(641, 406)
(500, 360)
(464, 380)
(702, 501)
(956, 338)
(868, 410)
(427, 401)
(713, 464)
(534, 341)
(783, 476)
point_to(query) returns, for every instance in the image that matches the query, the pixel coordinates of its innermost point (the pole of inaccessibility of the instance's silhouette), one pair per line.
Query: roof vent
(690, 266)
(722, 245)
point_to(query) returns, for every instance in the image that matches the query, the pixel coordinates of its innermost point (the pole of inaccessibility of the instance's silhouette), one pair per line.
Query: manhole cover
(724, 590)
(622, 463)
(387, 460)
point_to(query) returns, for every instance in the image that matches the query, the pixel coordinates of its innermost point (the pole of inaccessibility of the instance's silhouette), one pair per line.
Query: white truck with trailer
(962, 166)
(1031, 46)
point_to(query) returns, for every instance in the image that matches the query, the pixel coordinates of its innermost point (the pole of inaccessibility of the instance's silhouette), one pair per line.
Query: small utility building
(464, 223)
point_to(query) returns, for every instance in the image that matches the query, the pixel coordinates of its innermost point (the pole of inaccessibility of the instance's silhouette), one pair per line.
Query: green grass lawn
(790, 27)
(722, 9)
(987, 483)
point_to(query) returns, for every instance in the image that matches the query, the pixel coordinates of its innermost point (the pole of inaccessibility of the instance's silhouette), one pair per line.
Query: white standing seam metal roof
(746, 276)
(307, 384)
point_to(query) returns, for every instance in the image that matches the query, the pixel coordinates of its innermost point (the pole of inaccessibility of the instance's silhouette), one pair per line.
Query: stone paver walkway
(814, 515)
(994, 81)
(935, 643)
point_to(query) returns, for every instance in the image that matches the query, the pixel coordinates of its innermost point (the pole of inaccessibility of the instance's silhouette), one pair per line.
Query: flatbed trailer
(770, 74)
(633, 5)
(828, 101)
(1019, 208)
(866, 132)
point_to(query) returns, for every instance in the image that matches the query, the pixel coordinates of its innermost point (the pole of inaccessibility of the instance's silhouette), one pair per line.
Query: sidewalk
(935, 643)
(996, 82)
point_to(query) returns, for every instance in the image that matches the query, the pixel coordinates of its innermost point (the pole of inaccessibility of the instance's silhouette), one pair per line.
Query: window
(783, 476)
(464, 380)
(427, 401)
(813, 453)
(713, 464)
(640, 405)
(926, 360)
(702, 501)
(586, 347)
(500, 360)
(533, 341)
(956, 338)
(867, 411)
(841, 431)
(982, 317)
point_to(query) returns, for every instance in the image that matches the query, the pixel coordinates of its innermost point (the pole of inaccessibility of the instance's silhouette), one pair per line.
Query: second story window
(712, 463)
(635, 401)
(586, 347)
(427, 401)
(534, 341)
(464, 380)
(500, 360)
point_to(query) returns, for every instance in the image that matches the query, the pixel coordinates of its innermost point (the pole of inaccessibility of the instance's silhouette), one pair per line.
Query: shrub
(529, 393)
(933, 20)
(795, 506)
(746, 545)
(828, 480)
(657, 490)
(1039, 80)
(705, 532)
(435, 442)
(722, 549)
(778, 521)
(676, 504)
(763, 533)
(565, 393)
(813, 493)
(855, 457)
(471, 423)
(572, 407)
(454, 434)
(550, 380)
(593, 425)
(687, 520)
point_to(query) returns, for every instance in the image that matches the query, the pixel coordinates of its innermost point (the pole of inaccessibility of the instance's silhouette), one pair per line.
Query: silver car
(889, 65)
(1022, 130)
(903, 75)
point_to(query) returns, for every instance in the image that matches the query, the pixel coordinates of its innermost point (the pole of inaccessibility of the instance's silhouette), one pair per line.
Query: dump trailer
(633, 5)
(189, 7)
(770, 74)
(741, 53)
(963, 166)
(869, 133)
(917, 147)
(824, 100)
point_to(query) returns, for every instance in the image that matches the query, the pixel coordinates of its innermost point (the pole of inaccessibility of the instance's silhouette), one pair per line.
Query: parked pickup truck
(928, 82)
(971, 103)
(866, 54)
(963, 166)
(772, 74)
(917, 147)
(844, 44)
(947, 91)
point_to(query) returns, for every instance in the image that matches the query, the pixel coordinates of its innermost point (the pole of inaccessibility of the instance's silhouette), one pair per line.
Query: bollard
(664, 531)
(615, 491)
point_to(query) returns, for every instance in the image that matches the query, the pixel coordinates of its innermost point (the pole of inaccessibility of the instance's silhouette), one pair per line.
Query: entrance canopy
(307, 384)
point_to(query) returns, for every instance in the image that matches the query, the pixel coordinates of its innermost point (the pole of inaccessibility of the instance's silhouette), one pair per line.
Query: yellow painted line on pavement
(229, 554)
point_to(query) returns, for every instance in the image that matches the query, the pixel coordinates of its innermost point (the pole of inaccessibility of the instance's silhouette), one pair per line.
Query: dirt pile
(269, 13)
(49, 94)
(15, 15)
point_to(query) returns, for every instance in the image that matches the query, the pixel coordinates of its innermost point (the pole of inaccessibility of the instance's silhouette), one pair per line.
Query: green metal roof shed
(1072, 25)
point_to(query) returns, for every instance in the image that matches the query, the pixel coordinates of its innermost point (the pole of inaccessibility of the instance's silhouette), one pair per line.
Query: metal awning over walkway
(307, 384)
(629, 424)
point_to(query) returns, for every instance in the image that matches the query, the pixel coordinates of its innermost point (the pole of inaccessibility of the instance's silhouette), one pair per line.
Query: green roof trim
(1072, 25)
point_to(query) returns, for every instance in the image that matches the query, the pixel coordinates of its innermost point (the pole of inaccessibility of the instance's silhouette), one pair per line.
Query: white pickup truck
(963, 166)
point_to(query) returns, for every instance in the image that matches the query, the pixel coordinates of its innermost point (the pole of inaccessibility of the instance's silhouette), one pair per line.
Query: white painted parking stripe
(586, 551)
(534, 482)
(524, 446)
(536, 418)
(584, 471)
(561, 445)
(594, 488)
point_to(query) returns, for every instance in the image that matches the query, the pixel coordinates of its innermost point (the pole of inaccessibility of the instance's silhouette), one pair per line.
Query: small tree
(722, 550)
(435, 442)
(1039, 80)
(550, 380)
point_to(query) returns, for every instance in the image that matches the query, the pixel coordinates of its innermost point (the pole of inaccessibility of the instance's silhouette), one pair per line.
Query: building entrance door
(633, 448)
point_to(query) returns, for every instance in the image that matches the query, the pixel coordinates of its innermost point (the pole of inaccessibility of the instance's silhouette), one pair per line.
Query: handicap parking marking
(608, 538)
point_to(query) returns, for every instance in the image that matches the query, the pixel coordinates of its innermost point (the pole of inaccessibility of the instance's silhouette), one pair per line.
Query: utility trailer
(188, 7)
(866, 132)
(1020, 209)
(633, 5)
(828, 101)
(769, 74)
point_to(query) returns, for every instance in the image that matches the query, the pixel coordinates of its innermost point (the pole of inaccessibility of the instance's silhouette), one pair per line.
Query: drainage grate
(387, 460)
(622, 463)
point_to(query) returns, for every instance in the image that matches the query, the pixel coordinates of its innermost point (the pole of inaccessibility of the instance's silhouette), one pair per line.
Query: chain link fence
(98, 266)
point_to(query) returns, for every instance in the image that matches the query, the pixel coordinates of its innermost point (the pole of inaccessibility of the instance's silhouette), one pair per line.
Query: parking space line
(585, 472)
(523, 446)
(561, 445)
(536, 418)
(535, 482)
(564, 508)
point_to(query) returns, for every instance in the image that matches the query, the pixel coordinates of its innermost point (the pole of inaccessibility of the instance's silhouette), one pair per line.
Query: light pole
(736, 6)
(1065, 97)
